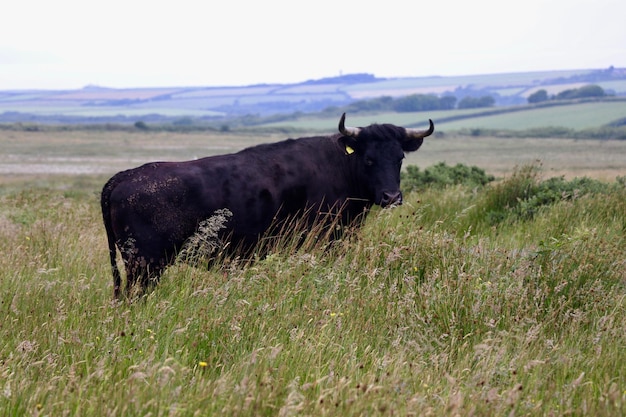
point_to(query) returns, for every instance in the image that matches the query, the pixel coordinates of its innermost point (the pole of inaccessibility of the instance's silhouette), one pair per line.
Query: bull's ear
(349, 144)
(411, 144)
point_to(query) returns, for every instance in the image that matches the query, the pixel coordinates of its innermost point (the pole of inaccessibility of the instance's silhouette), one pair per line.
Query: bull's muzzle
(391, 198)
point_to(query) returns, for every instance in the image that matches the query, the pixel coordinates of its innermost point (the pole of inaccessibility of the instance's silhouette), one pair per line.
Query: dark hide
(150, 211)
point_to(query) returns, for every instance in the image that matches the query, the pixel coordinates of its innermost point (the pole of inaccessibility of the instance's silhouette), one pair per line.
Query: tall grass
(429, 309)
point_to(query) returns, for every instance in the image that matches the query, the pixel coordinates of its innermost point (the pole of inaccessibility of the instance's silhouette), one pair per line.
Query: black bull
(150, 211)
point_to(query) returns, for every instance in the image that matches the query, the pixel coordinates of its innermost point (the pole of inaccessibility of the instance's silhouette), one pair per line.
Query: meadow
(463, 301)
(582, 115)
(125, 105)
(64, 157)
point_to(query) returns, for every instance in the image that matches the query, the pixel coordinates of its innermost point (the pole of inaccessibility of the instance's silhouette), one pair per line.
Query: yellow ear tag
(349, 150)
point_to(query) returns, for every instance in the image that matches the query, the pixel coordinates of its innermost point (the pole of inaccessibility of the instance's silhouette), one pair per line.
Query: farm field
(507, 82)
(317, 123)
(574, 116)
(461, 301)
(507, 299)
(41, 156)
(311, 96)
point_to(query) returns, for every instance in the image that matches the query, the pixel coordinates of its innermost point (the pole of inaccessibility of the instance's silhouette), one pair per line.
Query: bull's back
(165, 201)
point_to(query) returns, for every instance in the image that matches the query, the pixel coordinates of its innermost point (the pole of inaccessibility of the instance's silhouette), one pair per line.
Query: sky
(68, 44)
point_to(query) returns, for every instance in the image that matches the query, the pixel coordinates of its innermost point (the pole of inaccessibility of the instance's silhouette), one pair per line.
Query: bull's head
(379, 151)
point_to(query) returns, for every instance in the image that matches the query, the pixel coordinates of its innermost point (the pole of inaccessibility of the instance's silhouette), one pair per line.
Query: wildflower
(202, 364)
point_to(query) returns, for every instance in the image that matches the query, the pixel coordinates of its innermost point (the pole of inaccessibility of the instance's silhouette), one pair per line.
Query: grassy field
(436, 307)
(450, 83)
(459, 302)
(577, 116)
(401, 119)
(42, 155)
(574, 116)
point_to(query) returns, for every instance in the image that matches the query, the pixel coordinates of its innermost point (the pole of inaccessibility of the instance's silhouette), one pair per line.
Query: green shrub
(442, 175)
(523, 195)
(141, 125)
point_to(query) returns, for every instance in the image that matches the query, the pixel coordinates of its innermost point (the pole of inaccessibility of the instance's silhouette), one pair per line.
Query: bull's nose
(391, 198)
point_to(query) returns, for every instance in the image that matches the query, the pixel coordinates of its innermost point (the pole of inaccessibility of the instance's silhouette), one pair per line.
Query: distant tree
(416, 102)
(141, 125)
(469, 102)
(376, 104)
(410, 103)
(384, 102)
(538, 96)
(568, 94)
(183, 121)
(585, 91)
(486, 101)
(591, 90)
(447, 102)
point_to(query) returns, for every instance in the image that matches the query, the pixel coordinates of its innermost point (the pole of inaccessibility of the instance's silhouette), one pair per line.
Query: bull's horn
(347, 131)
(418, 134)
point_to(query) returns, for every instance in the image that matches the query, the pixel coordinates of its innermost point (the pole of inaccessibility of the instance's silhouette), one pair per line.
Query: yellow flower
(202, 364)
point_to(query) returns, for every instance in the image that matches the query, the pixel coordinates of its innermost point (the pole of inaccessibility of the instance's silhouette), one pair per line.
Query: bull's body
(150, 211)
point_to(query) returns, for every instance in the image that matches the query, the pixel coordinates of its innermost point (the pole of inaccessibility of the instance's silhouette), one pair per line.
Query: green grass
(573, 116)
(426, 310)
(399, 119)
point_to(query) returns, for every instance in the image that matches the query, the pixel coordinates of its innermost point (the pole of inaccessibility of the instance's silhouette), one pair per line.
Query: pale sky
(63, 44)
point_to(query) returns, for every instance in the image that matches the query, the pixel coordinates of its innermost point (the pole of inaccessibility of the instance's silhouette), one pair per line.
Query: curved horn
(347, 131)
(418, 134)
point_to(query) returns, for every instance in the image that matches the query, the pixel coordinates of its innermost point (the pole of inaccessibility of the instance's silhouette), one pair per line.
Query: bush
(476, 102)
(585, 91)
(442, 175)
(141, 125)
(538, 96)
(521, 196)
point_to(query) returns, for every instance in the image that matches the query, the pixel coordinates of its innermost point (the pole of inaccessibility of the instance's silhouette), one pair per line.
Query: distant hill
(96, 104)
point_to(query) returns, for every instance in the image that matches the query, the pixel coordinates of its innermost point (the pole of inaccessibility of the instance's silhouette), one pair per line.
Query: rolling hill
(94, 104)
